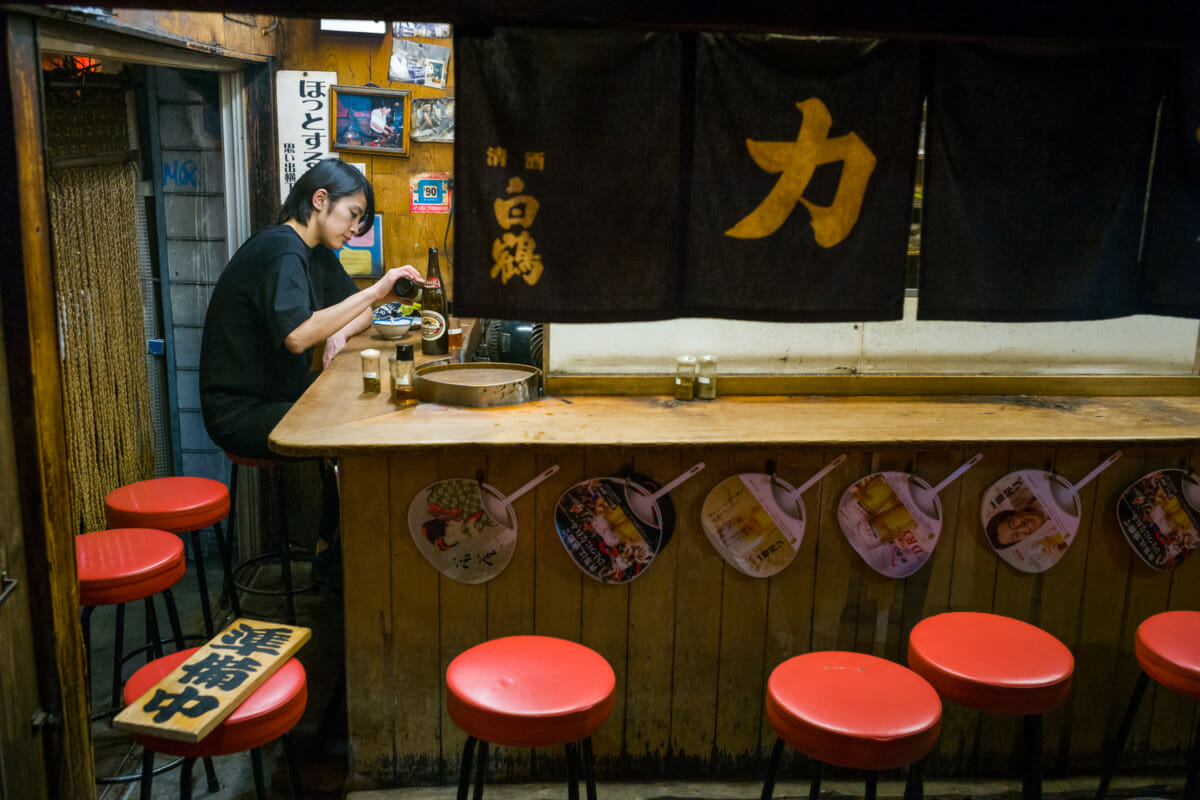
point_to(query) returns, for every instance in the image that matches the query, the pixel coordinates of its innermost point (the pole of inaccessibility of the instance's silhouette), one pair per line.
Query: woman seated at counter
(283, 292)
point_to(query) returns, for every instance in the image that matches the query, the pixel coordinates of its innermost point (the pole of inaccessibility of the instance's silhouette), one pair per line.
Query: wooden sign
(201, 692)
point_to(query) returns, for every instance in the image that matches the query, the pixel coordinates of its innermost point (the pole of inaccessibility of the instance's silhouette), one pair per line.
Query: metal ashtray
(478, 384)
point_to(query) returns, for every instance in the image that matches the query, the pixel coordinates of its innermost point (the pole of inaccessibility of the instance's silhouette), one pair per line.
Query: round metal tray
(478, 384)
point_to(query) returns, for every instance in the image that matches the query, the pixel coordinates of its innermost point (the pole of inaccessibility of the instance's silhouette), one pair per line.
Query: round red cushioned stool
(179, 505)
(270, 712)
(284, 543)
(1167, 647)
(121, 566)
(998, 665)
(530, 691)
(852, 710)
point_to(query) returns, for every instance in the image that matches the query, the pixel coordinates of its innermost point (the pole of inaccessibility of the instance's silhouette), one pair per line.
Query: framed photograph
(433, 119)
(369, 120)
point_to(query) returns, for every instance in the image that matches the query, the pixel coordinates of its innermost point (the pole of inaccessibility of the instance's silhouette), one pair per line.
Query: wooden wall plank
(462, 614)
(790, 592)
(648, 685)
(928, 592)
(558, 583)
(1148, 594)
(972, 586)
(743, 641)
(605, 623)
(1062, 599)
(839, 567)
(1100, 683)
(370, 634)
(510, 594)
(1173, 718)
(699, 574)
(416, 697)
(881, 598)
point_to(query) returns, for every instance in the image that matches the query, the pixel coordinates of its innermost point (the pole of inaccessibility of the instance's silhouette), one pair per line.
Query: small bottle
(370, 371)
(685, 377)
(404, 385)
(706, 379)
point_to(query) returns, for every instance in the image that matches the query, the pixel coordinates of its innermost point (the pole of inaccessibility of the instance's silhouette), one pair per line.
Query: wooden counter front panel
(692, 640)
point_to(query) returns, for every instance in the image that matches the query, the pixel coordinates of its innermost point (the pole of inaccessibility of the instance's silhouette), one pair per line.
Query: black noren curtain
(1036, 173)
(802, 189)
(1171, 256)
(567, 166)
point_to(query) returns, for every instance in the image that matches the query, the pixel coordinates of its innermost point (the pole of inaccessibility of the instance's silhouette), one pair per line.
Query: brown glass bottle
(435, 327)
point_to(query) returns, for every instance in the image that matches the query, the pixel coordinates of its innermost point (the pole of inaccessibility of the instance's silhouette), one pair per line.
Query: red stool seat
(529, 691)
(992, 663)
(853, 710)
(177, 504)
(1168, 648)
(247, 461)
(126, 564)
(269, 712)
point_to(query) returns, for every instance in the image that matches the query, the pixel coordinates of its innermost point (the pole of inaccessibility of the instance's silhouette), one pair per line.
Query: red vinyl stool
(179, 505)
(286, 553)
(121, 566)
(1167, 647)
(269, 713)
(852, 710)
(530, 691)
(998, 665)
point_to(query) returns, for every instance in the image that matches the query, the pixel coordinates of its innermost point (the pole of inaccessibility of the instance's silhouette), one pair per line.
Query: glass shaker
(404, 385)
(706, 379)
(685, 377)
(370, 371)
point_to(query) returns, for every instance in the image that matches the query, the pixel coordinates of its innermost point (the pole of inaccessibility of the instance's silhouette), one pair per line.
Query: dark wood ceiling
(1141, 21)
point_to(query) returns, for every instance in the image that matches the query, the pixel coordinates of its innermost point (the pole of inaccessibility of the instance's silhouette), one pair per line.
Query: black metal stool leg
(210, 775)
(464, 771)
(872, 784)
(1118, 745)
(589, 768)
(572, 772)
(289, 752)
(202, 579)
(260, 785)
(114, 701)
(814, 786)
(173, 619)
(914, 787)
(153, 642)
(147, 774)
(225, 546)
(481, 767)
(1191, 788)
(185, 779)
(1032, 785)
(772, 769)
(285, 546)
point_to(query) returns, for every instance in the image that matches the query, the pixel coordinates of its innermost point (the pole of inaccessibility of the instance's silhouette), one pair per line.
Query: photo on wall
(433, 119)
(419, 63)
(369, 120)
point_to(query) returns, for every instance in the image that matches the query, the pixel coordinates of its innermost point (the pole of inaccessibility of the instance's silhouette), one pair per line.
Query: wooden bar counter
(692, 640)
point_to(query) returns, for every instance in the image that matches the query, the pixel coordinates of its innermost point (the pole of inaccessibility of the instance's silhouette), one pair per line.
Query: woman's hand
(388, 281)
(333, 344)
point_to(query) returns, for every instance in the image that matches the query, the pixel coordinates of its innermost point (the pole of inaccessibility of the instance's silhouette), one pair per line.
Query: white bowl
(392, 327)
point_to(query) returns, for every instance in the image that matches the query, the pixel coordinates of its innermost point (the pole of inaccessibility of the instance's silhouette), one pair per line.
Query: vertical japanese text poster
(302, 108)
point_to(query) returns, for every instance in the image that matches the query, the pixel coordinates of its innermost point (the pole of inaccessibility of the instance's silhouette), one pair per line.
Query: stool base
(577, 752)
(185, 775)
(1191, 787)
(914, 788)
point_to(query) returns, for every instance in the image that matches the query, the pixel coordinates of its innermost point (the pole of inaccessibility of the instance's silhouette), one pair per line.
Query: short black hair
(993, 528)
(337, 178)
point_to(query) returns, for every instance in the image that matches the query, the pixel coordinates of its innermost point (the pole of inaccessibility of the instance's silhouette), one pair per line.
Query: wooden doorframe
(35, 385)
